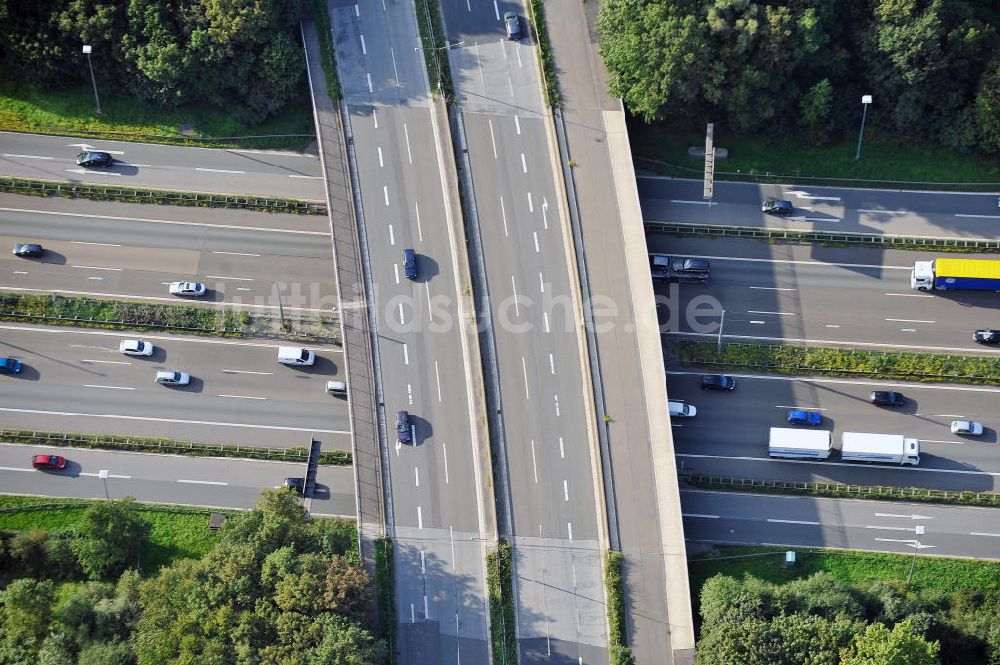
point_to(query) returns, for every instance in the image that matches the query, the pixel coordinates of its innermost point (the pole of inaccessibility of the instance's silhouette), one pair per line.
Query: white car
(970, 427)
(173, 378)
(135, 347)
(187, 289)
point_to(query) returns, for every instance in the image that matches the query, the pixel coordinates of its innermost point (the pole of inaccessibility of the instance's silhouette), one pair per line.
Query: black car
(294, 484)
(404, 430)
(410, 264)
(986, 336)
(886, 398)
(718, 382)
(776, 207)
(28, 249)
(91, 159)
(681, 269)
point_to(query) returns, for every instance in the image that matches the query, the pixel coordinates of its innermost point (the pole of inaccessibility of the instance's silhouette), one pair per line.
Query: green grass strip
(435, 47)
(69, 190)
(617, 638)
(840, 491)
(541, 34)
(385, 584)
(170, 446)
(503, 638)
(327, 51)
(791, 359)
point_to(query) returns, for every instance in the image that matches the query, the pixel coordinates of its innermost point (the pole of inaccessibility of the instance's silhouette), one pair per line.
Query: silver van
(681, 409)
(295, 355)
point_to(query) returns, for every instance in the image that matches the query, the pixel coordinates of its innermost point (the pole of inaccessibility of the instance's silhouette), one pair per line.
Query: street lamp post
(87, 49)
(865, 101)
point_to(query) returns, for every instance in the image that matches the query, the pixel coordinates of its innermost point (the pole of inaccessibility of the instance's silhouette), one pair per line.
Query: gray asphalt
(731, 429)
(882, 526)
(439, 558)
(203, 481)
(917, 213)
(75, 380)
(96, 251)
(288, 174)
(853, 296)
(561, 615)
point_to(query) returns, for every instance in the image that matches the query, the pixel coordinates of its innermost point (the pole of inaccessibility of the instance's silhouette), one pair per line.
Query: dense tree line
(821, 621)
(770, 67)
(238, 55)
(276, 589)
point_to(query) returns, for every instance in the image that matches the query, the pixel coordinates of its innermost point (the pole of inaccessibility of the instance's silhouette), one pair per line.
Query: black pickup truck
(680, 269)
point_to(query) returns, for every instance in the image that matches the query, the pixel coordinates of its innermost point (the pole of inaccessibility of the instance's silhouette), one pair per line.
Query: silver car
(135, 347)
(194, 289)
(172, 378)
(970, 427)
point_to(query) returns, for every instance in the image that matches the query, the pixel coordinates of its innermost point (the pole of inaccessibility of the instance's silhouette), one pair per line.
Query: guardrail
(169, 446)
(157, 196)
(838, 490)
(843, 237)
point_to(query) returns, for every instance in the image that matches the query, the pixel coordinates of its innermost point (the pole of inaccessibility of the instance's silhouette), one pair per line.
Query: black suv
(680, 269)
(718, 382)
(776, 207)
(986, 336)
(886, 398)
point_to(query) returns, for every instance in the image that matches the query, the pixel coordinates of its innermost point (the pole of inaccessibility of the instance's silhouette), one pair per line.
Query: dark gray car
(404, 430)
(512, 22)
(28, 249)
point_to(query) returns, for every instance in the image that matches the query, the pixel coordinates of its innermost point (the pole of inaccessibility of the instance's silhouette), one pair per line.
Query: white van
(295, 355)
(336, 388)
(681, 409)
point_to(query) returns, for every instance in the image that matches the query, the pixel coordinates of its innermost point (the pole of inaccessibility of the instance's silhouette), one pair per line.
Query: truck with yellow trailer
(954, 274)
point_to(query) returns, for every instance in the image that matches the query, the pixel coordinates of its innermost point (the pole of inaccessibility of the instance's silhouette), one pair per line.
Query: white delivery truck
(799, 443)
(884, 448)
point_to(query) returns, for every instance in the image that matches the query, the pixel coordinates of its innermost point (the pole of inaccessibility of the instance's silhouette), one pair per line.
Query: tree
(878, 645)
(815, 106)
(29, 552)
(111, 535)
(27, 611)
(988, 107)
(792, 639)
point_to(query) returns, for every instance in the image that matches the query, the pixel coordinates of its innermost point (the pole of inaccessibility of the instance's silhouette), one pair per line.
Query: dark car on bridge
(404, 429)
(718, 382)
(27, 249)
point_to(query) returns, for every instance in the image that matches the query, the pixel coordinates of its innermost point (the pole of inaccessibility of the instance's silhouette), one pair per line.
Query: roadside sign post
(865, 101)
(97, 100)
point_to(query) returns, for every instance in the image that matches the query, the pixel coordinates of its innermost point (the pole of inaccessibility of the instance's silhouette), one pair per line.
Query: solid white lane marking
(416, 211)
(758, 322)
(941, 415)
(703, 516)
(89, 385)
(385, 194)
(375, 118)
(406, 354)
(106, 362)
(402, 320)
(20, 272)
(395, 270)
(158, 299)
(957, 443)
(754, 311)
(545, 321)
(524, 164)
(805, 522)
(364, 49)
(513, 287)
(98, 268)
(883, 212)
(496, 10)
(569, 526)
(545, 212)
(242, 397)
(978, 216)
(420, 518)
(517, 124)
(983, 533)
(531, 204)
(444, 456)
(8, 154)
(562, 452)
(556, 400)
(99, 244)
(416, 478)
(305, 177)
(220, 171)
(700, 203)
(437, 376)
(202, 482)
(535, 234)
(832, 325)
(245, 371)
(774, 288)
(503, 214)
(493, 139)
(801, 408)
(236, 279)
(524, 370)
(380, 162)
(172, 420)
(910, 321)
(534, 467)
(566, 490)
(406, 135)
(910, 295)
(200, 340)
(232, 253)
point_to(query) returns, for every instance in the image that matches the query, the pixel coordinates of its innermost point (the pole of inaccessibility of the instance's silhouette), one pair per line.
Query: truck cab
(922, 276)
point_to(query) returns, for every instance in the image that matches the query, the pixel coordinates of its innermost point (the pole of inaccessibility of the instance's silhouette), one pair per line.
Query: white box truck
(884, 448)
(799, 443)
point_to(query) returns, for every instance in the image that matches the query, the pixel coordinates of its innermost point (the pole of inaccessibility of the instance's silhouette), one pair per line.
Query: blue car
(804, 418)
(10, 366)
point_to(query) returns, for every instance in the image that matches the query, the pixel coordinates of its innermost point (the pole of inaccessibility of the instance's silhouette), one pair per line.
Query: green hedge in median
(619, 653)
(327, 52)
(434, 45)
(385, 585)
(503, 637)
(545, 49)
(792, 359)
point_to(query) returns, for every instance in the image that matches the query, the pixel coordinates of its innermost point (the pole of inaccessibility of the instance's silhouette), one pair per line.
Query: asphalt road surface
(842, 296)
(176, 479)
(76, 380)
(281, 173)
(881, 526)
(906, 213)
(731, 428)
(434, 504)
(561, 615)
(96, 250)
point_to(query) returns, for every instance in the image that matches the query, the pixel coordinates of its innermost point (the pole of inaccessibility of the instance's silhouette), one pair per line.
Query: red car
(48, 462)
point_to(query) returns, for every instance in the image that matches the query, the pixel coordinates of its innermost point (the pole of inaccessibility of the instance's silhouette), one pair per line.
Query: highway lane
(282, 173)
(557, 547)
(76, 380)
(853, 296)
(908, 213)
(882, 526)
(176, 479)
(734, 426)
(435, 508)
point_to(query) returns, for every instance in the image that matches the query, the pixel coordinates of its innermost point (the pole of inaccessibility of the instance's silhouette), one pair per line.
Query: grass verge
(619, 653)
(435, 47)
(327, 52)
(840, 491)
(170, 446)
(70, 190)
(179, 532)
(541, 34)
(385, 585)
(503, 639)
(790, 359)
(28, 108)
(791, 158)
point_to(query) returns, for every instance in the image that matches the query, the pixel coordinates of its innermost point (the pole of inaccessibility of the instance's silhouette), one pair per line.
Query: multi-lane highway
(884, 526)
(436, 508)
(820, 295)
(288, 174)
(556, 518)
(195, 481)
(76, 380)
(905, 213)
